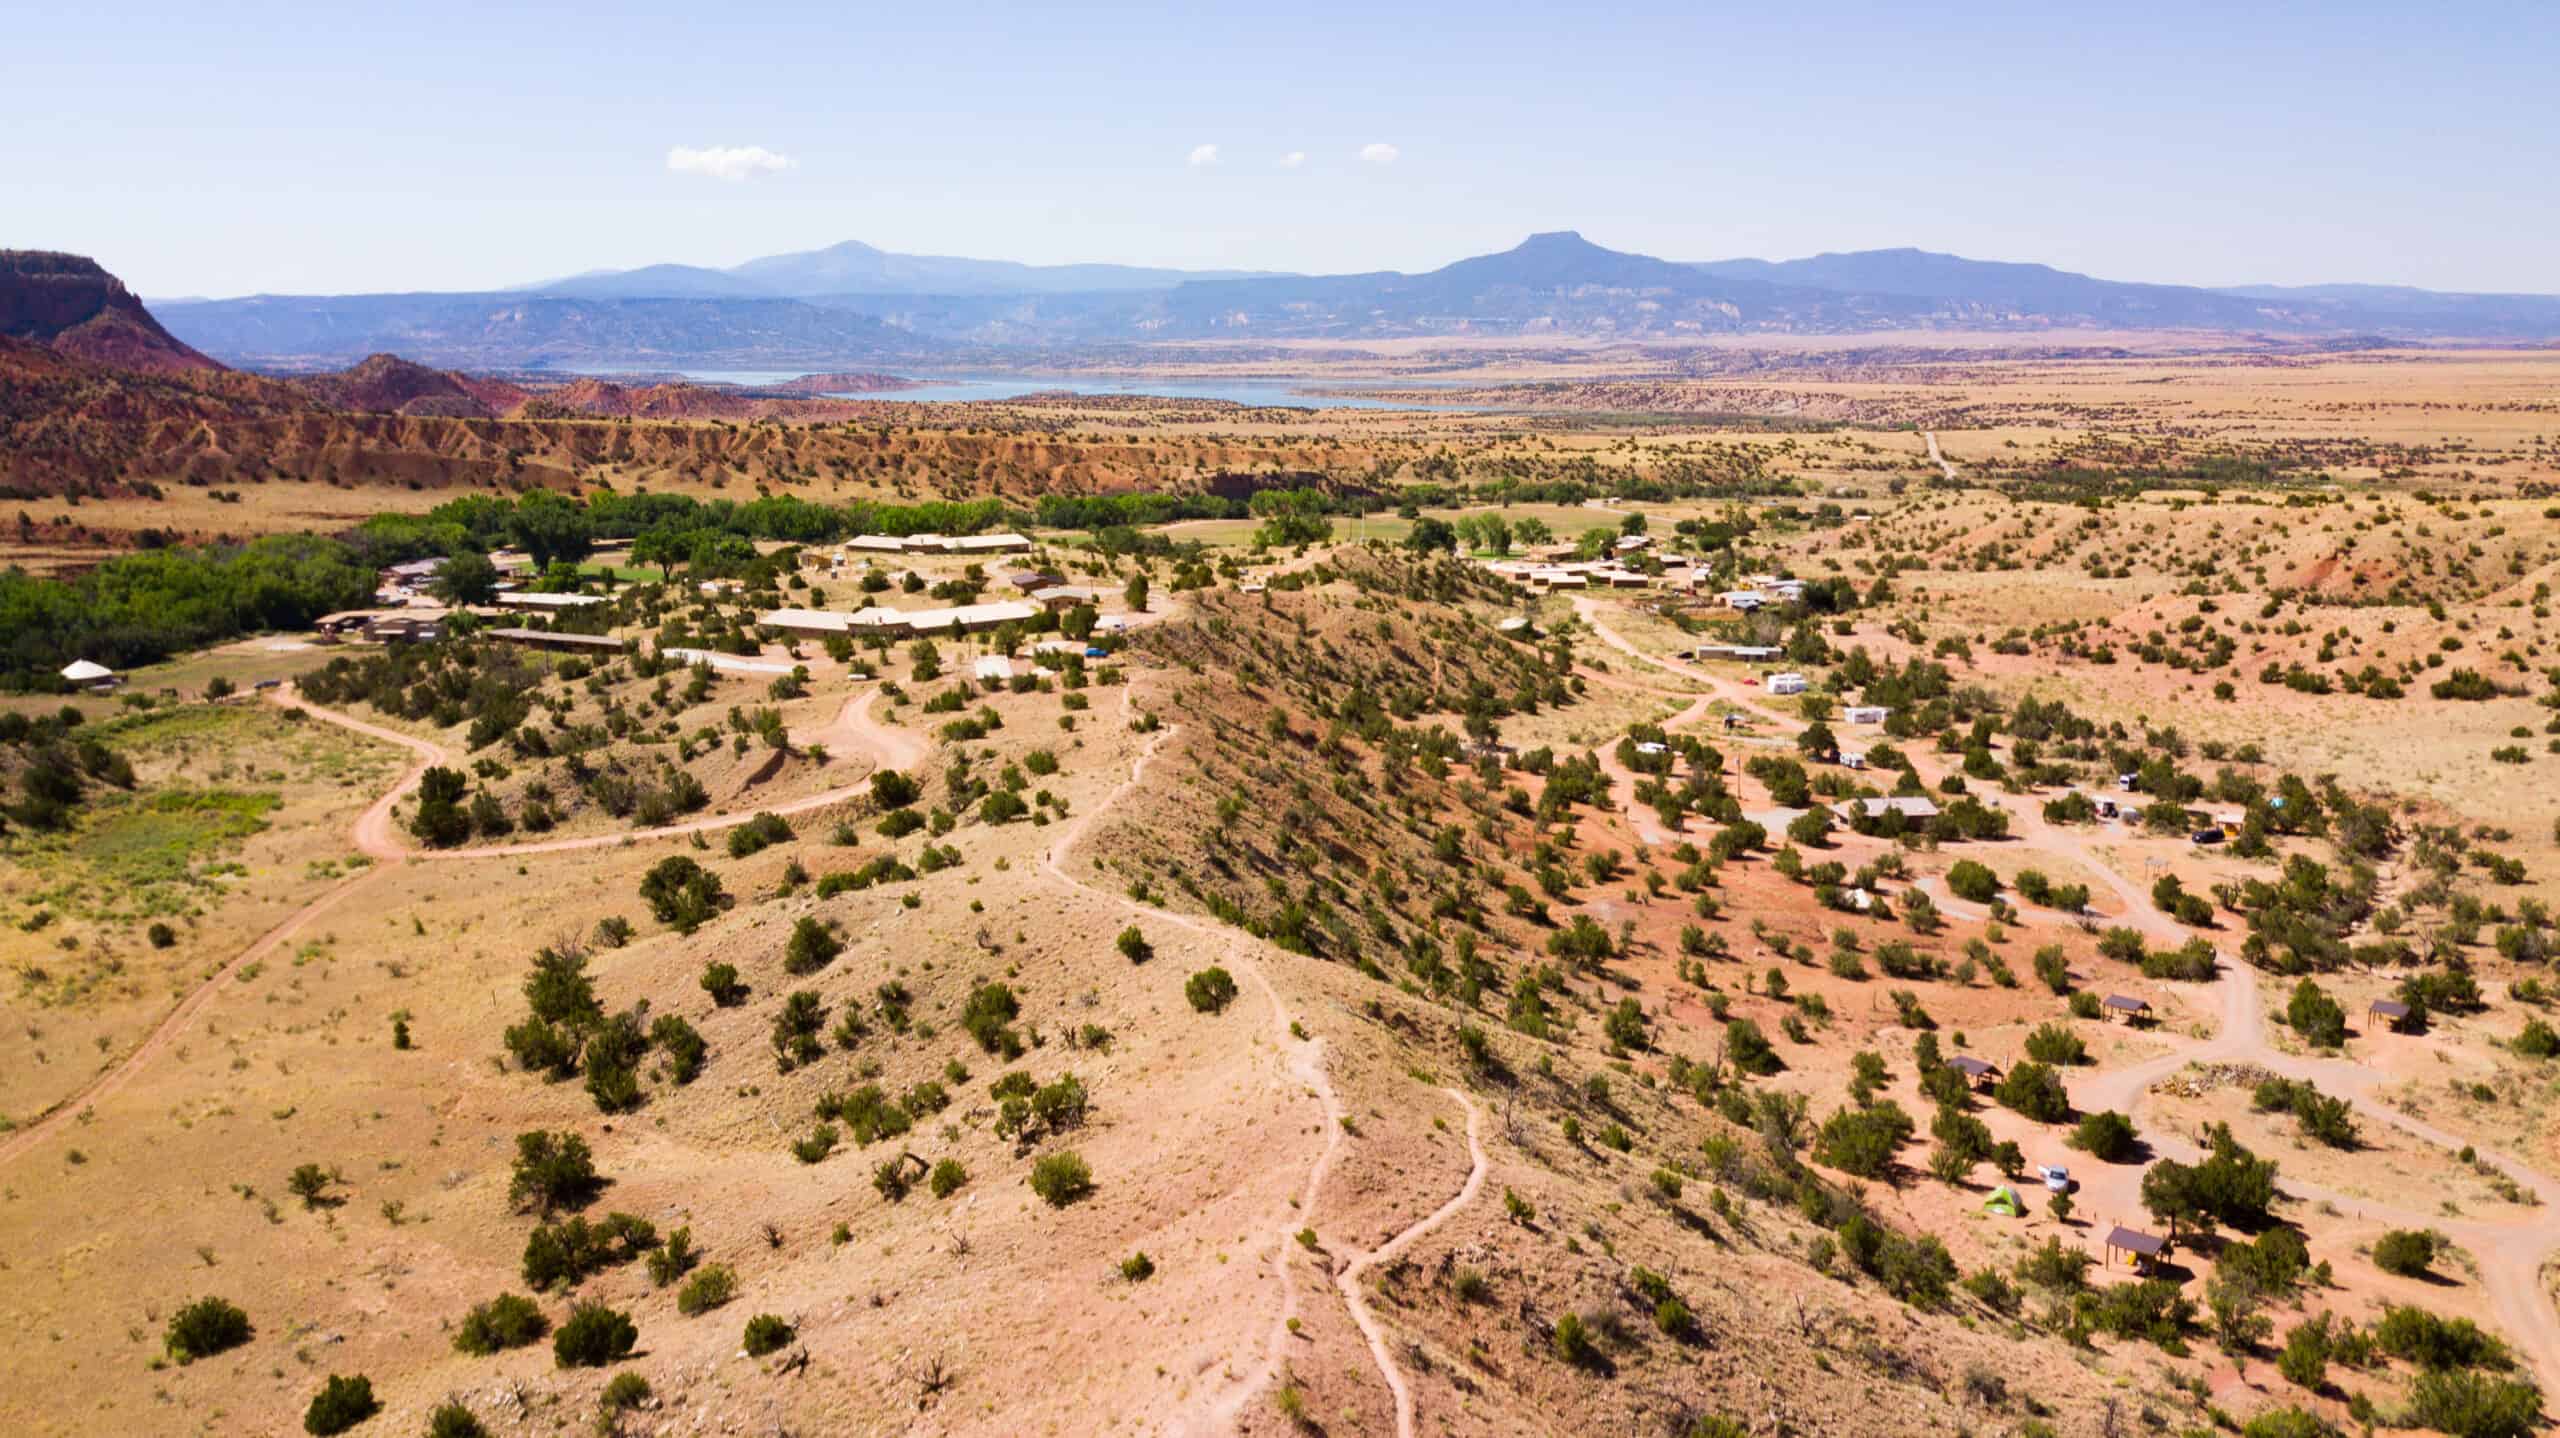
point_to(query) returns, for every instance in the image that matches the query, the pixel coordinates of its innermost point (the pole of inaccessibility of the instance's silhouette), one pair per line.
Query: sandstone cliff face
(72, 305)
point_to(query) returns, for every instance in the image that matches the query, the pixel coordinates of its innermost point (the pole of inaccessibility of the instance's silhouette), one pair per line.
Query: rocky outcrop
(70, 304)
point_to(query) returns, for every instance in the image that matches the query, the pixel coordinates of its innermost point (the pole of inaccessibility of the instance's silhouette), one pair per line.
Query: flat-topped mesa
(72, 305)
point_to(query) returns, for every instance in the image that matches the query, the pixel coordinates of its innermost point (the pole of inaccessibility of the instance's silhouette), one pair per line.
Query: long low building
(517, 599)
(553, 639)
(1005, 543)
(881, 620)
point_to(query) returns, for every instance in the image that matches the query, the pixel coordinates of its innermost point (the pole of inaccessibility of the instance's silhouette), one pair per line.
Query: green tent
(2002, 1200)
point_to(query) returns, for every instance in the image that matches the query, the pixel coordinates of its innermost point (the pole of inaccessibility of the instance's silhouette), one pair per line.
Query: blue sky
(293, 148)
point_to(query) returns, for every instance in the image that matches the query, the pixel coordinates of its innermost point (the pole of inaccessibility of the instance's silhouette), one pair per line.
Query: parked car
(2057, 1179)
(2207, 836)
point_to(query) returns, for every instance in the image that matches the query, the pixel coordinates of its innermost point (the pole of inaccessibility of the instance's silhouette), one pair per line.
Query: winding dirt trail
(1305, 1064)
(1348, 1280)
(1945, 465)
(377, 837)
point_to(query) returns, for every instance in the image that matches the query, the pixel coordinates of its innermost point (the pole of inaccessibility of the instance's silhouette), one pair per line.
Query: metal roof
(2136, 1241)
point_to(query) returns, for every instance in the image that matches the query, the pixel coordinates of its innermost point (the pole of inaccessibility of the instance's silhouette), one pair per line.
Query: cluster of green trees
(566, 1031)
(1112, 511)
(141, 608)
(549, 526)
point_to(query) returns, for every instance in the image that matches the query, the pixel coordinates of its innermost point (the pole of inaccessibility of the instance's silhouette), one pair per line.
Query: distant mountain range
(855, 304)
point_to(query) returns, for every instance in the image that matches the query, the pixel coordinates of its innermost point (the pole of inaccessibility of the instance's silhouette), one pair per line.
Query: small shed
(2134, 1249)
(2393, 1013)
(2132, 1010)
(1979, 1072)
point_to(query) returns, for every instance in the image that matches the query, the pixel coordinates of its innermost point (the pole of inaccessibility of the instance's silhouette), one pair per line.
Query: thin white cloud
(1203, 156)
(1380, 153)
(1295, 159)
(733, 163)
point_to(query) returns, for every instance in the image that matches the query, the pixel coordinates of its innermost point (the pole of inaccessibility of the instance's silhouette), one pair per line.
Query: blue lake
(964, 388)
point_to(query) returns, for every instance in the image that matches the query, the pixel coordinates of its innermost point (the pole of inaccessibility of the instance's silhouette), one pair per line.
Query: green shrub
(2320, 1019)
(720, 981)
(341, 1404)
(552, 1170)
(2305, 1359)
(2536, 1040)
(767, 1332)
(811, 947)
(2471, 1405)
(673, 1259)
(452, 1420)
(2288, 1423)
(990, 1009)
(1134, 946)
(625, 1392)
(2056, 1044)
(2036, 1091)
(1749, 1049)
(682, 894)
(2106, 1136)
(1973, 881)
(757, 834)
(1061, 1178)
(2420, 1337)
(509, 1320)
(709, 1288)
(204, 1328)
(593, 1336)
(1863, 1141)
(1210, 990)
(947, 1178)
(2405, 1251)
(1137, 1267)
(1573, 1341)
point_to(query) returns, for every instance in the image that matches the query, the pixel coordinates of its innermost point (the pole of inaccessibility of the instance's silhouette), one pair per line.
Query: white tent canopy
(82, 671)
